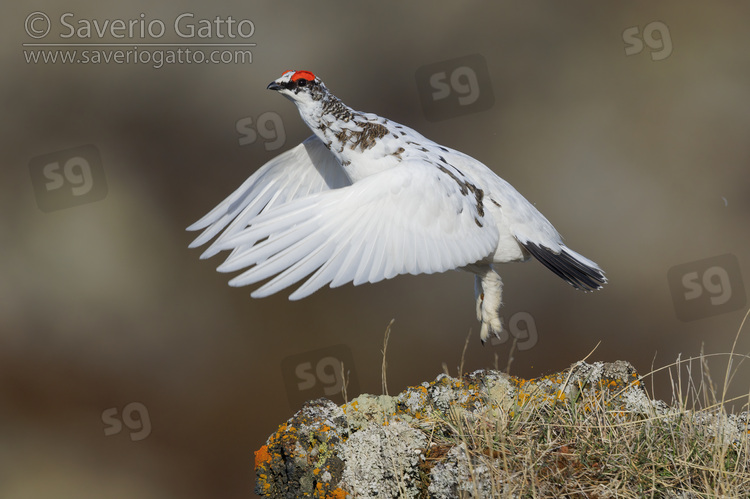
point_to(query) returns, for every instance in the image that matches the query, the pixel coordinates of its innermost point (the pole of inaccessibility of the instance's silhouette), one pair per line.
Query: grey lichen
(383, 461)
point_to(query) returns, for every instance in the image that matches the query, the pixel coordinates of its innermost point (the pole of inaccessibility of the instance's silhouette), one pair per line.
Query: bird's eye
(301, 82)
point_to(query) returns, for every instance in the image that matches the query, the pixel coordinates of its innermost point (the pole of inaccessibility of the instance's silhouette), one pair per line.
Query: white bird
(365, 199)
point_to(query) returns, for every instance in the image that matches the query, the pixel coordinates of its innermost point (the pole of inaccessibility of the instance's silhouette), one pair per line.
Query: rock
(303, 457)
(384, 446)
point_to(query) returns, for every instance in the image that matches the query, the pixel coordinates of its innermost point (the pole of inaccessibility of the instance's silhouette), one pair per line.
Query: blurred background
(129, 368)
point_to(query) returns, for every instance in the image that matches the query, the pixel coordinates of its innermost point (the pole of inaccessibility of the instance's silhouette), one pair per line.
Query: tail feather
(576, 269)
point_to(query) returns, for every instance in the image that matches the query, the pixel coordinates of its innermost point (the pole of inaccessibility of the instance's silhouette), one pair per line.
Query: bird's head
(301, 87)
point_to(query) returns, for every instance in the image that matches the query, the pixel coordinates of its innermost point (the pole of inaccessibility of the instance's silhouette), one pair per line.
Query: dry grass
(567, 452)
(585, 450)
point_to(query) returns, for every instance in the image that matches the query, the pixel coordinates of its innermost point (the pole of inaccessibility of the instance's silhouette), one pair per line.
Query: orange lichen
(337, 493)
(262, 456)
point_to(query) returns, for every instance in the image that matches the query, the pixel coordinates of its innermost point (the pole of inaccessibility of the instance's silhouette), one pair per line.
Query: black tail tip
(576, 270)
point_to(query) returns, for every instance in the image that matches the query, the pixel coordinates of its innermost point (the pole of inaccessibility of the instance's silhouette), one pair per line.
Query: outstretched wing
(306, 169)
(408, 219)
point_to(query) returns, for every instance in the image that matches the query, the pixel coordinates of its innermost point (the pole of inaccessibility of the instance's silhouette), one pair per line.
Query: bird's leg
(488, 290)
(478, 295)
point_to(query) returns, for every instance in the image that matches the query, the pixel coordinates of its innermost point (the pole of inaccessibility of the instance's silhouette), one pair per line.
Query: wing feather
(403, 220)
(306, 169)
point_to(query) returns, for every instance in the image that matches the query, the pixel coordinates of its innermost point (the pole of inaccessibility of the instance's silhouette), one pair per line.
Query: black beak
(274, 86)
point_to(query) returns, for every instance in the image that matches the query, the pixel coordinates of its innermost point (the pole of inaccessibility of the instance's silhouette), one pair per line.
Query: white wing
(306, 169)
(408, 219)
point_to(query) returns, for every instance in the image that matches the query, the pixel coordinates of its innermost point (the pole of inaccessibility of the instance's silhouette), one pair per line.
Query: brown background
(641, 164)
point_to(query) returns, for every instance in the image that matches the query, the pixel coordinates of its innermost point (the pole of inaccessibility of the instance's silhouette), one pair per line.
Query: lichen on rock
(303, 458)
(414, 444)
(383, 461)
